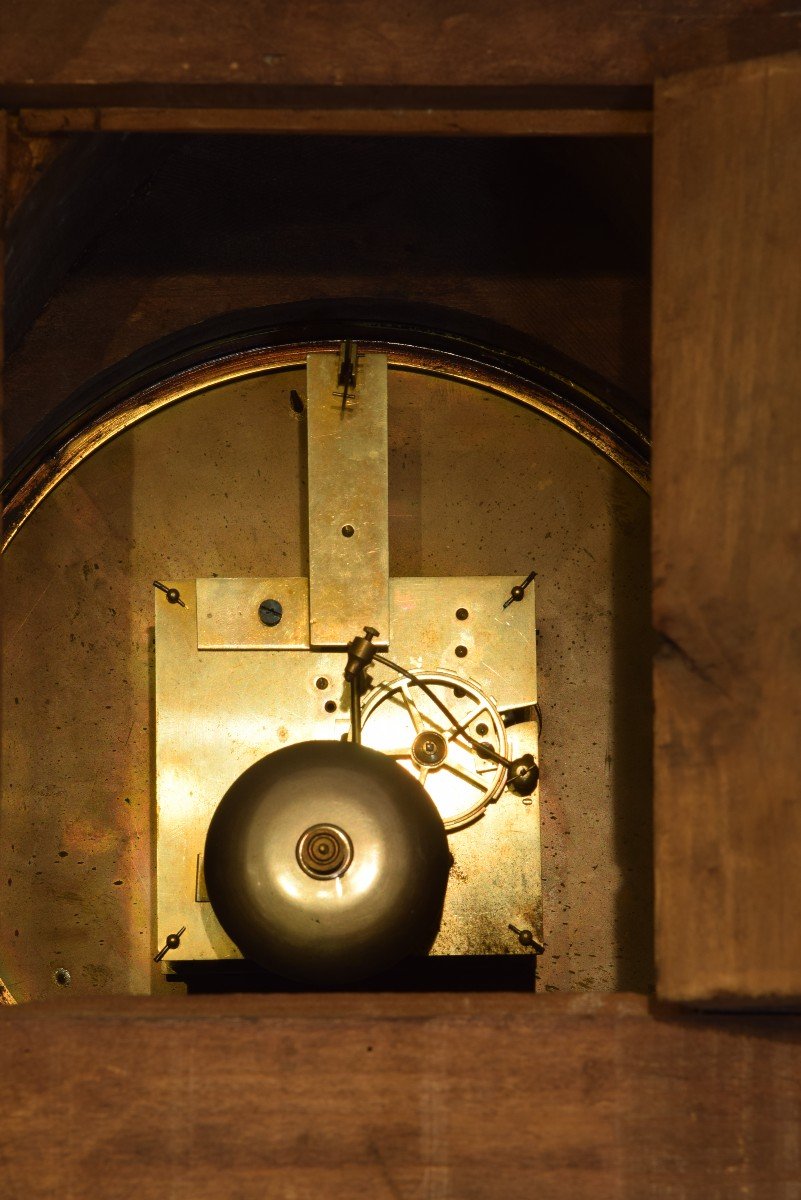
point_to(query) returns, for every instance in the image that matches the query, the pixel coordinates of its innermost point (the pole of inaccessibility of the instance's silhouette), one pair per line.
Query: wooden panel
(63, 197)
(5, 208)
(28, 158)
(458, 1097)
(51, 51)
(5, 995)
(727, 534)
(376, 119)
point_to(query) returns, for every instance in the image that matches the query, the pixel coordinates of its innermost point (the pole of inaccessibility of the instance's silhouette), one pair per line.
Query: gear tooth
(444, 678)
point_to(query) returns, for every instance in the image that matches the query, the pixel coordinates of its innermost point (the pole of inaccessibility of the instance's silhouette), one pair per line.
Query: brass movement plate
(177, 486)
(219, 712)
(228, 614)
(348, 502)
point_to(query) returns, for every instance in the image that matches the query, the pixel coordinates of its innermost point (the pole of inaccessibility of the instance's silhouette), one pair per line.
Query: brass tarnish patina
(203, 474)
(230, 614)
(220, 708)
(218, 713)
(68, 453)
(348, 499)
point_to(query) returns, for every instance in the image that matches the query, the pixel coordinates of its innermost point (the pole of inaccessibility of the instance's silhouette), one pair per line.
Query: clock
(487, 518)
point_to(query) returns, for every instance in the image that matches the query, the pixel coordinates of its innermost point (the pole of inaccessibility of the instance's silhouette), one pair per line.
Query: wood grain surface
(51, 51)
(448, 1097)
(28, 159)
(376, 118)
(727, 534)
(5, 995)
(63, 192)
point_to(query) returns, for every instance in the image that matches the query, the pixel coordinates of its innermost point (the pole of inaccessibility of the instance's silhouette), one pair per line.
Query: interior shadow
(476, 973)
(632, 761)
(75, 818)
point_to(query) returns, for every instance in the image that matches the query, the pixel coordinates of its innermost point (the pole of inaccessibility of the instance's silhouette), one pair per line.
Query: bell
(326, 862)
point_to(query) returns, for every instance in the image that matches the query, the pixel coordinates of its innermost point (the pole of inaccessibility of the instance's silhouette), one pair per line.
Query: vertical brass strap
(348, 498)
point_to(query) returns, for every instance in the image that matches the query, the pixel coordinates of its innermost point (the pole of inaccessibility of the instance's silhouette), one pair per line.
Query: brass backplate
(348, 502)
(189, 492)
(220, 710)
(228, 614)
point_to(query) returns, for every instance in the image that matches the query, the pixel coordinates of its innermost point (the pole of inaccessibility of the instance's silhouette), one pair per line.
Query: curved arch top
(206, 356)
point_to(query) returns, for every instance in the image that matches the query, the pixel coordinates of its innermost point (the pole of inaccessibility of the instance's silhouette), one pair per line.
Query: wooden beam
(727, 534)
(28, 160)
(5, 206)
(55, 49)
(379, 1096)
(5, 995)
(489, 122)
(59, 210)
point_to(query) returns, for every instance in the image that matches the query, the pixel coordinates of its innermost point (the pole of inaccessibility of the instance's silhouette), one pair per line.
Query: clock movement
(338, 668)
(247, 667)
(337, 692)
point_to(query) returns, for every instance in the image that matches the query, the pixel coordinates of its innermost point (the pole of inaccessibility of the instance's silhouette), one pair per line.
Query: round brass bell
(327, 862)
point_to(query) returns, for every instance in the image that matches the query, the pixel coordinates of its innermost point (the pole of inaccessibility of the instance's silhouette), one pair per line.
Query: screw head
(524, 936)
(524, 775)
(429, 748)
(324, 851)
(62, 977)
(270, 612)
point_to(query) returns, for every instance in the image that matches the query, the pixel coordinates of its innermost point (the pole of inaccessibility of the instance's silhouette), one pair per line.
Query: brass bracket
(346, 375)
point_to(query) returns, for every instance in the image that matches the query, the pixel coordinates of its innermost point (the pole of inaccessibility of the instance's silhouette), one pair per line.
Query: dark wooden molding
(448, 122)
(478, 1096)
(4, 209)
(28, 159)
(58, 210)
(727, 534)
(54, 49)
